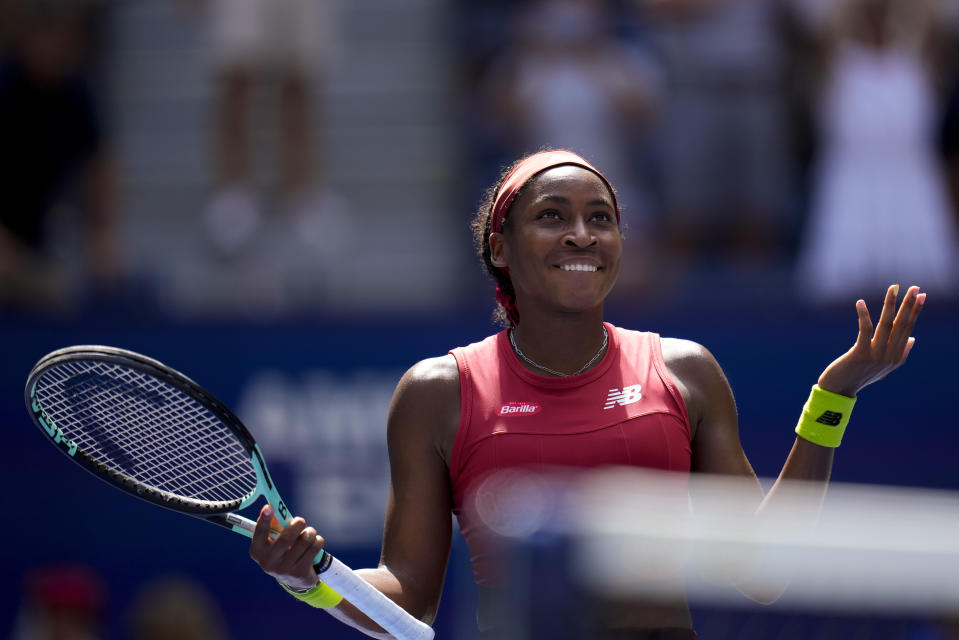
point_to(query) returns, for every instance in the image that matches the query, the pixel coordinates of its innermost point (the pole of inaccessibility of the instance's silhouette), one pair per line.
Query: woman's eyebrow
(598, 202)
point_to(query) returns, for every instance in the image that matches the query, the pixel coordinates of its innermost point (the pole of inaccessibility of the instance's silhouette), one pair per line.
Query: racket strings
(146, 429)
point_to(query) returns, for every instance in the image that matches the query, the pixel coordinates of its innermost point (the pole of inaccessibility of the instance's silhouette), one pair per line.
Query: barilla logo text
(519, 409)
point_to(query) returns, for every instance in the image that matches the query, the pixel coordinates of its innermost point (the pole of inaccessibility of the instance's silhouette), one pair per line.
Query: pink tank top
(625, 411)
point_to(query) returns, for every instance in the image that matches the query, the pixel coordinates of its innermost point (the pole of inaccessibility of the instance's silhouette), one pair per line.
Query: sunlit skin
(565, 216)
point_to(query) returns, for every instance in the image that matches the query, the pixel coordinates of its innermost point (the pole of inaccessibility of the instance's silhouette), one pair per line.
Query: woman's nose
(579, 234)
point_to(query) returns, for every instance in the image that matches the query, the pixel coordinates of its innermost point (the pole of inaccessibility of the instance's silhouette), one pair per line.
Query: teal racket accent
(151, 431)
(49, 426)
(267, 489)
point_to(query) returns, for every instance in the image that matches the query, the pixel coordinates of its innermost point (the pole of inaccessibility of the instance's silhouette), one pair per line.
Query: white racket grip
(357, 591)
(368, 599)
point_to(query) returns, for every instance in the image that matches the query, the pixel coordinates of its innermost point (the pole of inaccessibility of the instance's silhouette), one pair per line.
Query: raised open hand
(877, 351)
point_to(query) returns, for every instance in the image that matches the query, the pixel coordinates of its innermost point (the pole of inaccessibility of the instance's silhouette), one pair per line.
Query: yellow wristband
(824, 417)
(321, 596)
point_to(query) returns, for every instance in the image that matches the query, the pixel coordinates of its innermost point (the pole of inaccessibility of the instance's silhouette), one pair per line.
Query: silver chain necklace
(560, 374)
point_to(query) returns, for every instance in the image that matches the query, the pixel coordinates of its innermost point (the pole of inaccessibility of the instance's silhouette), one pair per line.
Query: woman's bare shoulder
(432, 375)
(426, 405)
(686, 355)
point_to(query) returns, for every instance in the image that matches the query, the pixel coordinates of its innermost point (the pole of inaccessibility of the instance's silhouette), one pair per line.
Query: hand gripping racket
(154, 433)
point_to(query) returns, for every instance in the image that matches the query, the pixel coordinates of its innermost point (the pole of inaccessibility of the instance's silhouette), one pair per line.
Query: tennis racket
(156, 434)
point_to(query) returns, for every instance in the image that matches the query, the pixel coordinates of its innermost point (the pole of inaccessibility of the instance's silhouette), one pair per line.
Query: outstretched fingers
(909, 344)
(865, 326)
(886, 319)
(892, 340)
(878, 350)
(901, 340)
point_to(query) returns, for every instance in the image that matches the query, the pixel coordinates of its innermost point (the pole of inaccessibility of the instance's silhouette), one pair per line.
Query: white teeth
(578, 267)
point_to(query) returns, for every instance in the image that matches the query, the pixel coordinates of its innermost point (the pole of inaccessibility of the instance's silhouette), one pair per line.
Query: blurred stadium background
(304, 324)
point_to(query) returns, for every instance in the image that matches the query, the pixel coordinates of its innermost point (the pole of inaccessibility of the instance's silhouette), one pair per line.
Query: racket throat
(267, 489)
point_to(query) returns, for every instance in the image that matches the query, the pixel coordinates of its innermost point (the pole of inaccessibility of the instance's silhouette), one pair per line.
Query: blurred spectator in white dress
(880, 210)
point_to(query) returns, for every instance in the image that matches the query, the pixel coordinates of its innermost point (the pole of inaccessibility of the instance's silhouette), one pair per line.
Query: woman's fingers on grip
(296, 560)
(285, 553)
(261, 532)
(262, 543)
(288, 553)
(287, 538)
(270, 538)
(307, 545)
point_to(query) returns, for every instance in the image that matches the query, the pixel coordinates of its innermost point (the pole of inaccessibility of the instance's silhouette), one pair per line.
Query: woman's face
(562, 243)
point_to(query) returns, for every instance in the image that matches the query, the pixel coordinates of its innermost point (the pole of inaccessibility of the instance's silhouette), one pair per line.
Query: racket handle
(373, 602)
(355, 590)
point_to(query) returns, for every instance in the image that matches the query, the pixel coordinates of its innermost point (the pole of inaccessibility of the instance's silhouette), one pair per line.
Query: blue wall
(904, 432)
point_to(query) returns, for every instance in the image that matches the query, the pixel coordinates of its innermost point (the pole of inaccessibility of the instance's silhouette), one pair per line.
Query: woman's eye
(603, 217)
(549, 214)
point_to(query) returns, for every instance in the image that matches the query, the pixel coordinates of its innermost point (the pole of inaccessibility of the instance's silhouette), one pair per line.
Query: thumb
(267, 521)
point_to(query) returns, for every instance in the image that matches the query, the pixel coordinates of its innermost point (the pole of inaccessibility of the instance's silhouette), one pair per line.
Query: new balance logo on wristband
(628, 395)
(832, 418)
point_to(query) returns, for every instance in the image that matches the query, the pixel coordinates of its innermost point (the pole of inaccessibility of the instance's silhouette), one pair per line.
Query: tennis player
(561, 387)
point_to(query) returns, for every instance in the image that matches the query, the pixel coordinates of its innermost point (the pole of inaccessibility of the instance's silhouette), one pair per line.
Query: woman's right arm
(416, 537)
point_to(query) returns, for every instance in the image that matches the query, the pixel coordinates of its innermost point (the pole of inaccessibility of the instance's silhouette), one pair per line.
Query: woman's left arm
(877, 352)
(716, 448)
(712, 410)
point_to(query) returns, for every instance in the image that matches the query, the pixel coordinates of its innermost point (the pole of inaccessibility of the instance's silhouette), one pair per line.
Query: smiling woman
(544, 203)
(560, 388)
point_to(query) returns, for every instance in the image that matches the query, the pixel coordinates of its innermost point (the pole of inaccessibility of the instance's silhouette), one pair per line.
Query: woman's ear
(497, 250)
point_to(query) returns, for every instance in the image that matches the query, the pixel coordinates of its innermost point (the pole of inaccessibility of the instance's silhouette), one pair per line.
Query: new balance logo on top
(628, 395)
(832, 418)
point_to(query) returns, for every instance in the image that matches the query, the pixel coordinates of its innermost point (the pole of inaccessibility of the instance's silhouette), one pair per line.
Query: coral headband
(529, 167)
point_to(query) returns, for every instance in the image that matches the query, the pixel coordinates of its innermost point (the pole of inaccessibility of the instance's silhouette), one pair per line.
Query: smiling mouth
(579, 267)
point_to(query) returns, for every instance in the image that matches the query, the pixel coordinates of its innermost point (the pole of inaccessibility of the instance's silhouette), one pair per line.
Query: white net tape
(636, 533)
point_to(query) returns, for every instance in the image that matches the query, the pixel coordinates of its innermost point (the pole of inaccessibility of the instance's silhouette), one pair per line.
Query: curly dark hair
(480, 226)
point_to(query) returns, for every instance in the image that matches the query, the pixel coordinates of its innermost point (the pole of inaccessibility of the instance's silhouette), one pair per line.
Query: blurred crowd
(73, 602)
(810, 139)
(58, 204)
(810, 143)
